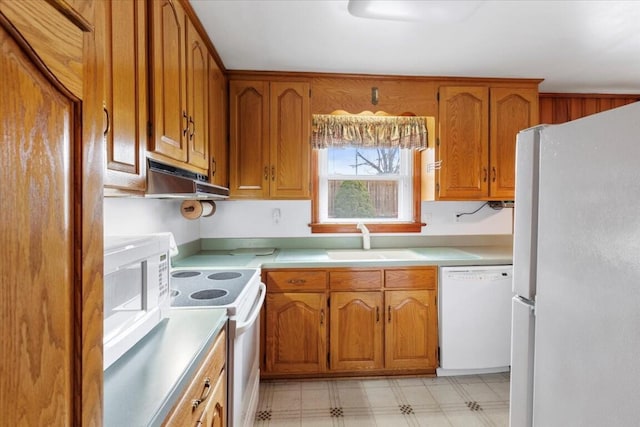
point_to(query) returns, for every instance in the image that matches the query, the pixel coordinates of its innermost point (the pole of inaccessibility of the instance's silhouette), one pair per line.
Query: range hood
(170, 182)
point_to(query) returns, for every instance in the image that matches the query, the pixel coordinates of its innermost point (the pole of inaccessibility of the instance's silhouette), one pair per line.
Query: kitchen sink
(372, 254)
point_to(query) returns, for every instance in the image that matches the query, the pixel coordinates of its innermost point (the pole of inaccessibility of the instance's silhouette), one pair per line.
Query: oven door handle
(242, 327)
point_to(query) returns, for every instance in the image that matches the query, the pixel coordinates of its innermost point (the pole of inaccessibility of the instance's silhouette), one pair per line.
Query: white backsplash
(142, 216)
(278, 218)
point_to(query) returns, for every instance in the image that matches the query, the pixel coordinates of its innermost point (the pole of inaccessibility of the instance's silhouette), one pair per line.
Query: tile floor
(464, 401)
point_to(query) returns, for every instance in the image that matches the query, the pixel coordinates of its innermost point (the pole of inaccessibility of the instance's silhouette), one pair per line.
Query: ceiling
(575, 46)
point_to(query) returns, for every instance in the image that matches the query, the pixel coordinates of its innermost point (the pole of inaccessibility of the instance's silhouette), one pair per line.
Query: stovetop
(208, 287)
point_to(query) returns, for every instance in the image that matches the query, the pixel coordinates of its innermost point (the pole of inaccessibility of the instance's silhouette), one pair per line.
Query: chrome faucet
(366, 240)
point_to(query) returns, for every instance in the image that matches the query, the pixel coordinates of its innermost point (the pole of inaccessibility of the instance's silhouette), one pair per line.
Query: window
(364, 184)
(366, 169)
(376, 186)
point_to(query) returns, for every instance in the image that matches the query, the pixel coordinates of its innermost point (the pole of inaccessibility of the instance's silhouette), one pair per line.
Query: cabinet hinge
(438, 141)
(309, 93)
(328, 359)
(438, 96)
(438, 187)
(328, 301)
(149, 129)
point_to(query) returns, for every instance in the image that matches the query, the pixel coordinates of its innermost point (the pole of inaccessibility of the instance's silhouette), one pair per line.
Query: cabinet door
(51, 169)
(356, 331)
(170, 118)
(289, 139)
(511, 111)
(296, 333)
(411, 337)
(250, 171)
(464, 139)
(198, 99)
(218, 142)
(215, 413)
(126, 94)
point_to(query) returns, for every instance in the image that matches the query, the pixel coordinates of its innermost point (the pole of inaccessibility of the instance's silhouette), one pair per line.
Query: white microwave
(136, 290)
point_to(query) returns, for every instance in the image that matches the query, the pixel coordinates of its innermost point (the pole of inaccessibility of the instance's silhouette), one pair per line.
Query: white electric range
(241, 292)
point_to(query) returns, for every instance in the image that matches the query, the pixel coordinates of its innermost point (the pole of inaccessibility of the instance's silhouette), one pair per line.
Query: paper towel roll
(208, 207)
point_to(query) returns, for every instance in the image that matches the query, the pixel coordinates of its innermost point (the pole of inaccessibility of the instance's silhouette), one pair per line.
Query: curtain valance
(330, 130)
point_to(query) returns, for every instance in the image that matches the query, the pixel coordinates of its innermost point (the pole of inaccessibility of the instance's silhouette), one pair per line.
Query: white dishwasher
(475, 319)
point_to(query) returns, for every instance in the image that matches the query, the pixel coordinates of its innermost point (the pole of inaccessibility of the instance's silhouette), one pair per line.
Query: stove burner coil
(185, 274)
(226, 275)
(209, 294)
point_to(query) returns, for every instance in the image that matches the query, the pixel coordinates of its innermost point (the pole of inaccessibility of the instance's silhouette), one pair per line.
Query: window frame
(412, 226)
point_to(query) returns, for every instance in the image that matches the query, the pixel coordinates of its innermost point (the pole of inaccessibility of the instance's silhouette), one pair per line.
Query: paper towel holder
(194, 209)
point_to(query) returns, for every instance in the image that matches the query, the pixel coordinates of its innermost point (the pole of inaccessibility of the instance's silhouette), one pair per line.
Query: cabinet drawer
(203, 383)
(300, 280)
(413, 278)
(351, 280)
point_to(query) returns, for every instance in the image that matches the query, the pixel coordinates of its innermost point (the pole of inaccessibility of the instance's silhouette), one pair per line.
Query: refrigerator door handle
(525, 223)
(522, 358)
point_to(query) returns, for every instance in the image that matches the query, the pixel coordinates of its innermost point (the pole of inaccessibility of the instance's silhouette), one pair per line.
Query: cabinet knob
(493, 174)
(193, 127)
(266, 173)
(273, 173)
(297, 281)
(213, 166)
(485, 175)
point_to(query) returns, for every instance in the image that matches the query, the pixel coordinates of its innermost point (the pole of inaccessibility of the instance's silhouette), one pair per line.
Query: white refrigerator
(575, 355)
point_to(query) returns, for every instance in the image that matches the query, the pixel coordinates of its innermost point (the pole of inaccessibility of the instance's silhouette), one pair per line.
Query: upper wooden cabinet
(179, 88)
(125, 94)
(510, 112)
(51, 170)
(218, 141)
(476, 145)
(197, 99)
(269, 139)
(463, 142)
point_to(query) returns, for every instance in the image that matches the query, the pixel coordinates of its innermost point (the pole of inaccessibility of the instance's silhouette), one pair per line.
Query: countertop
(142, 386)
(310, 258)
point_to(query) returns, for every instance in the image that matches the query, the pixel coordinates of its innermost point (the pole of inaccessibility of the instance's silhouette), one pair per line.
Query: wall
(249, 219)
(141, 216)
(246, 219)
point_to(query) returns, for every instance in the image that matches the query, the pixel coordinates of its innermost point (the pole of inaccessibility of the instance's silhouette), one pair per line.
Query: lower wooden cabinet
(356, 335)
(411, 329)
(296, 332)
(204, 401)
(342, 321)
